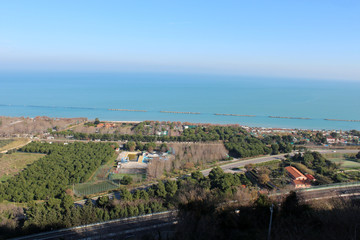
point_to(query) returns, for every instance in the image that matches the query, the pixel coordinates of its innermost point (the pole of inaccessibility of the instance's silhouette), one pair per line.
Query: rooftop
(294, 172)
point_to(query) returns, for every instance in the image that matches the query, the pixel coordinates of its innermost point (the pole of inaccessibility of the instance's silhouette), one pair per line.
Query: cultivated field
(11, 164)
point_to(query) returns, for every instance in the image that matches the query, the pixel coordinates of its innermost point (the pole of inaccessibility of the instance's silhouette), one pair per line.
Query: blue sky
(301, 39)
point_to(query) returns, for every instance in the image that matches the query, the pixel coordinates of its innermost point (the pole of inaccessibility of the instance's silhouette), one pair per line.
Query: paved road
(242, 163)
(343, 151)
(115, 229)
(238, 163)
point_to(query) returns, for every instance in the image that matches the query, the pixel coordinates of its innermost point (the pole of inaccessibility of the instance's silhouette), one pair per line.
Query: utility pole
(355, 230)
(271, 214)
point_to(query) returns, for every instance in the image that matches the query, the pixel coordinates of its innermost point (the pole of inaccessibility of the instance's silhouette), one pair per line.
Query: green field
(345, 161)
(11, 164)
(345, 164)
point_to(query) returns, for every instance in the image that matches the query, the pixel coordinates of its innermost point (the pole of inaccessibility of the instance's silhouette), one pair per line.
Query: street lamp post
(271, 214)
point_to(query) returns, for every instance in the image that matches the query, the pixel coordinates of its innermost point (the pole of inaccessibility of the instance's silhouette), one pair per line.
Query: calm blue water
(92, 94)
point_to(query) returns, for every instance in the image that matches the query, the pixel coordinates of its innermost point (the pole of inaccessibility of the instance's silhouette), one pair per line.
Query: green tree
(216, 173)
(171, 188)
(131, 145)
(150, 146)
(198, 176)
(126, 180)
(160, 190)
(275, 149)
(334, 135)
(164, 147)
(264, 178)
(103, 201)
(263, 201)
(97, 121)
(125, 195)
(308, 159)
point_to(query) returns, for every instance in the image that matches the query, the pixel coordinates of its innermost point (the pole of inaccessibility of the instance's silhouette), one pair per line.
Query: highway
(342, 151)
(237, 163)
(114, 229)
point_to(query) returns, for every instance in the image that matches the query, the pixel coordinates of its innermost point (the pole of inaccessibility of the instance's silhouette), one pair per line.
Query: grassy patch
(303, 168)
(5, 142)
(11, 164)
(273, 163)
(18, 142)
(343, 160)
(345, 164)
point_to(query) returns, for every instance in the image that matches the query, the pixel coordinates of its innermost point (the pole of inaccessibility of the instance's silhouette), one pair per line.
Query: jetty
(290, 117)
(180, 112)
(341, 120)
(126, 110)
(234, 115)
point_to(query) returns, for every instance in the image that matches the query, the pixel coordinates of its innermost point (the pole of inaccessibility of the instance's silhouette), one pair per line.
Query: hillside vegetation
(50, 176)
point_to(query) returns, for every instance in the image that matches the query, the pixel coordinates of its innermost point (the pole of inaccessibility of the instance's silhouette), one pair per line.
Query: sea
(92, 94)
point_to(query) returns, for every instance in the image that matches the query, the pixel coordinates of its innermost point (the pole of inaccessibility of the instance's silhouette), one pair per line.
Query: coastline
(135, 116)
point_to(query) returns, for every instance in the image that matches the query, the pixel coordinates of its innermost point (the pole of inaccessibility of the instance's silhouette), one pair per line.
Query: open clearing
(4, 142)
(345, 164)
(344, 160)
(11, 164)
(17, 143)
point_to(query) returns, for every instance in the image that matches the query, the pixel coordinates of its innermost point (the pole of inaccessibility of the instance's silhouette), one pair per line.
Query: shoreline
(195, 122)
(136, 116)
(224, 124)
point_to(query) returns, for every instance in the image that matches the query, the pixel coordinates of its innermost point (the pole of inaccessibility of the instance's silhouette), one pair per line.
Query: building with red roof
(295, 174)
(299, 180)
(310, 178)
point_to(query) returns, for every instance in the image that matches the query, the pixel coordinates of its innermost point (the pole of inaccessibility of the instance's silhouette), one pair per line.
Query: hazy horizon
(303, 40)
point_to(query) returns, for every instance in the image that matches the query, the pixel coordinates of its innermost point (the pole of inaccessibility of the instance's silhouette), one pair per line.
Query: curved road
(238, 163)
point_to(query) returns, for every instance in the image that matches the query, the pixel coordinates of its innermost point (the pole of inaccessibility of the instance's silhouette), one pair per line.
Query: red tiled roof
(294, 172)
(310, 177)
